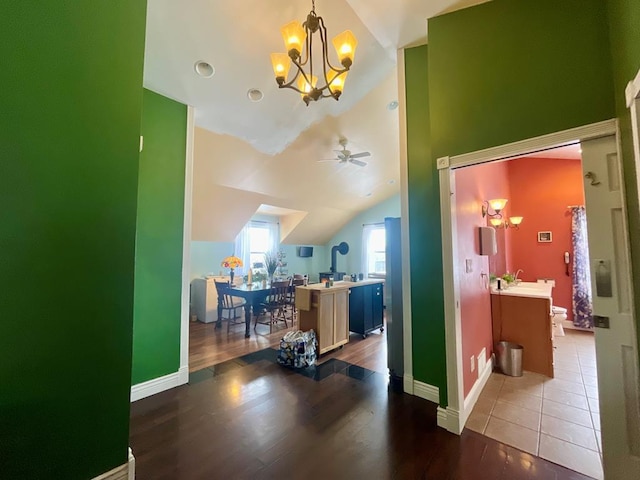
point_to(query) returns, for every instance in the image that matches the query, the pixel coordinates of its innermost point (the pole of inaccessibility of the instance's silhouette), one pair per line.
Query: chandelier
(298, 41)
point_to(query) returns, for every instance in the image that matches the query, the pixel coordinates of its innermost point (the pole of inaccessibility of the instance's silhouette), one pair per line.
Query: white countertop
(524, 289)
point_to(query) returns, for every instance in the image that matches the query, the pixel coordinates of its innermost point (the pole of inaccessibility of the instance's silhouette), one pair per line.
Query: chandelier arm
(325, 59)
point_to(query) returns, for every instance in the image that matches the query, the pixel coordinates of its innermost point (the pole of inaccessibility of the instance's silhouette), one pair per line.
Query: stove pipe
(343, 248)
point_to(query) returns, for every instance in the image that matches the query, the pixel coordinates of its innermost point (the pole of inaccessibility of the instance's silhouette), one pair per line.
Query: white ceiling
(270, 147)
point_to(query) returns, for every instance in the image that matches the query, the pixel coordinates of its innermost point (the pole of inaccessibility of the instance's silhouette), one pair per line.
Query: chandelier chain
(313, 6)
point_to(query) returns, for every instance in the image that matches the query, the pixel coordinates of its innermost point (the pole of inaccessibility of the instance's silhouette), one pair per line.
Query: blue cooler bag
(298, 349)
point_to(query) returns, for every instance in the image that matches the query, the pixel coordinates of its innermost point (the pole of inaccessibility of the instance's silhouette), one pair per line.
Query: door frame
(454, 416)
(632, 94)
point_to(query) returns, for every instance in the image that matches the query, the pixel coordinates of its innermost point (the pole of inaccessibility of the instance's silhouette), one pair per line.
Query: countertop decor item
(232, 262)
(271, 264)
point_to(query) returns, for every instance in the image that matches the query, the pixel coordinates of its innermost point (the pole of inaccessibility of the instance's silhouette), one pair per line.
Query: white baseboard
(449, 419)
(407, 386)
(472, 398)
(157, 385)
(426, 391)
(453, 420)
(126, 471)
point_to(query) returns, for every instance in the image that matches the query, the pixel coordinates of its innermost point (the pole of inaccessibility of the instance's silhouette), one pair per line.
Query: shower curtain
(582, 307)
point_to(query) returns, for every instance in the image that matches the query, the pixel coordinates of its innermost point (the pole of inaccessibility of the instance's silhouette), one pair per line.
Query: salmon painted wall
(541, 190)
(473, 185)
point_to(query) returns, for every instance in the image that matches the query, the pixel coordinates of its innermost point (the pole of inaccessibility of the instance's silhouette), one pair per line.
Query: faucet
(518, 272)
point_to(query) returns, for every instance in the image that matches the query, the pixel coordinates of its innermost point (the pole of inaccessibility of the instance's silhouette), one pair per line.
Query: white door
(616, 353)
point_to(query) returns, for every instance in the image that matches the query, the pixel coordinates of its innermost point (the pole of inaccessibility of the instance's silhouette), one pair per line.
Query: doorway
(606, 166)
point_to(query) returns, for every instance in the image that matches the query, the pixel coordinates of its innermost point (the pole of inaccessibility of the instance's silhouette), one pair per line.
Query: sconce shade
(337, 84)
(294, 36)
(498, 203)
(345, 44)
(281, 64)
(515, 220)
(496, 222)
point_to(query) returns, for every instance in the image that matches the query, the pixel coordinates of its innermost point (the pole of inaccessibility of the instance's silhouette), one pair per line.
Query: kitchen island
(327, 310)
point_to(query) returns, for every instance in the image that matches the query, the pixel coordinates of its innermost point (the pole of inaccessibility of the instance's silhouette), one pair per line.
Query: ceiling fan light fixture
(298, 42)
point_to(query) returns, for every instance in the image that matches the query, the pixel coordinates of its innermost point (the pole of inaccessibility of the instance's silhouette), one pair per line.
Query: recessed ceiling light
(392, 105)
(254, 95)
(204, 69)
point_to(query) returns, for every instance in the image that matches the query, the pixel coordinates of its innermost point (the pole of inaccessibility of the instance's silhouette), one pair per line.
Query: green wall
(427, 294)
(70, 101)
(159, 238)
(624, 26)
(352, 234)
(496, 73)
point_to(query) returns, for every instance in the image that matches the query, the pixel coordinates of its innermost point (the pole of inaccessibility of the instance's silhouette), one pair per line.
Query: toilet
(558, 315)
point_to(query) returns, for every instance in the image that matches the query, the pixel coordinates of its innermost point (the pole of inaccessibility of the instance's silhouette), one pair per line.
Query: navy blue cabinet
(366, 308)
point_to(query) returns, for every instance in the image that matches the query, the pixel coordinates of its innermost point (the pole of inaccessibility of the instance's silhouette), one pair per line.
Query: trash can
(509, 356)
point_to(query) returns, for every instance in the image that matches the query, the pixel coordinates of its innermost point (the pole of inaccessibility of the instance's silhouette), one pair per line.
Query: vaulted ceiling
(266, 152)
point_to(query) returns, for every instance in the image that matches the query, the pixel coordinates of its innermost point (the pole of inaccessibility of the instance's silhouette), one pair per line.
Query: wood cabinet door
(326, 313)
(341, 332)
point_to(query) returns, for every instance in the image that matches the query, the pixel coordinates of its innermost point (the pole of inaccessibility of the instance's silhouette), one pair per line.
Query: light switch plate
(468, 265)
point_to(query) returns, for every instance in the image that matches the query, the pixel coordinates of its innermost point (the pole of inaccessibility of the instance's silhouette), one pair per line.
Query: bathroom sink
(526, 289)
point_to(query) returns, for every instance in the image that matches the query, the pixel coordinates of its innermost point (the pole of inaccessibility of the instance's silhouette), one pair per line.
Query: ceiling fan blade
(360, 163)
(360, 155)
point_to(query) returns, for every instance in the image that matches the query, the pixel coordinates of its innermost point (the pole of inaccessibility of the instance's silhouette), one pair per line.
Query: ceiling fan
(345, 156)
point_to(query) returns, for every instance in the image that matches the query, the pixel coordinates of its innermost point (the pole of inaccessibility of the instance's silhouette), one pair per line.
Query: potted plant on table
(271, 264)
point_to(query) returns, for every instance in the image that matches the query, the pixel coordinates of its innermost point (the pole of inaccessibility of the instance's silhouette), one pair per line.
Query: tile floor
(554, 418)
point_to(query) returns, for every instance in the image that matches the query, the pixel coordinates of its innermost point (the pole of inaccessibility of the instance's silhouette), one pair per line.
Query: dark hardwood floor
(210, 346)
(251, 418)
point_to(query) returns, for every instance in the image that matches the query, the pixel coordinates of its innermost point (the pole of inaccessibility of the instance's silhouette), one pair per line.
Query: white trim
(474, 393)
(633, 103)
(126, 471)
(160, 384)
(544, 142)
(632, 92)
(186, 242)
(451, 415)
(426, 391)
(407, 339)
(132, 466)
(453, 330)
(408, 385)
(449, 419)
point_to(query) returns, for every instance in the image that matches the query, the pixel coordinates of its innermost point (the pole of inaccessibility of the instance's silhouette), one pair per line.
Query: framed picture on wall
(544, 237)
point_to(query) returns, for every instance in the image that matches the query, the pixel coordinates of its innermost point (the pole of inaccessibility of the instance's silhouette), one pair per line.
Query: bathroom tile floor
(554, 418)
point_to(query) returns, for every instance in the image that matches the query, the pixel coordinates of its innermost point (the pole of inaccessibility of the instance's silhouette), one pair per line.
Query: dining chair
(275, 305)
(296, 281)
(227, 302)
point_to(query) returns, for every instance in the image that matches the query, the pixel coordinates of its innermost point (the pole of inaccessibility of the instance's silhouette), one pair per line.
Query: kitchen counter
(326, 310)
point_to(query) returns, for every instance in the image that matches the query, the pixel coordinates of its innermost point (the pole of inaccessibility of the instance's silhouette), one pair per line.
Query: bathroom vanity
(522, 314)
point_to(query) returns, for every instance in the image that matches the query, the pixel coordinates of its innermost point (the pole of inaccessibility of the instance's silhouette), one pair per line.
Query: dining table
(254, 293)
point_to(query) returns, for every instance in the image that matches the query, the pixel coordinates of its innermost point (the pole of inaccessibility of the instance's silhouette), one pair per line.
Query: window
(373, 249)
(255, 239)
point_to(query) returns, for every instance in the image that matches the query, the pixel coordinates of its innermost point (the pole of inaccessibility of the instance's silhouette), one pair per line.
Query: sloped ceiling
(248, 153)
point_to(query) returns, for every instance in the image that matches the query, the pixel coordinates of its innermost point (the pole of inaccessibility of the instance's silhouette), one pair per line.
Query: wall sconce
(497, 204)
(513, 222)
